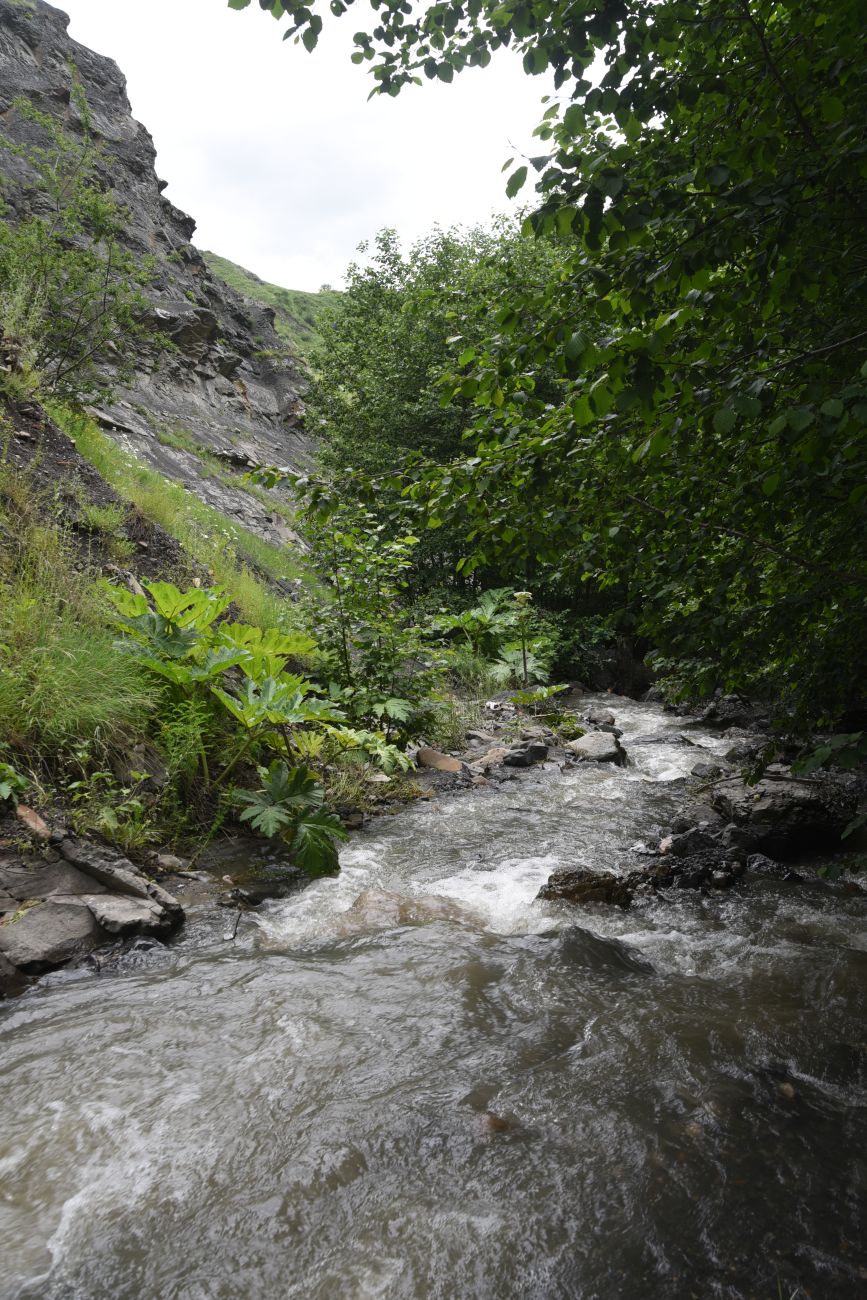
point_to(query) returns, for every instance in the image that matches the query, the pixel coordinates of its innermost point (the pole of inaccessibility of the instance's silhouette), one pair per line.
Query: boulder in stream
(785, 815)
(581, 885)
(526, 753)
(598, 747)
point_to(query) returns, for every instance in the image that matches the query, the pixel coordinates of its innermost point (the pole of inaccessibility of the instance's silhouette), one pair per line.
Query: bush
(71, 306)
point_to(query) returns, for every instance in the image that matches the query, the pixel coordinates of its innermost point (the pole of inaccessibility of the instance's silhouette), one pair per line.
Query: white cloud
(279, 155)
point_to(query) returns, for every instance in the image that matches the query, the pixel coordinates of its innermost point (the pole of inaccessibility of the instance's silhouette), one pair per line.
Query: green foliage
(70, 294)
(487, 626)
(531, 699)
(368, 747)
(290, 803)
(370, 645)
(12, 783)
(101, 519)
(175, 635)
(118, 812)
(297, 312)
(705, 455)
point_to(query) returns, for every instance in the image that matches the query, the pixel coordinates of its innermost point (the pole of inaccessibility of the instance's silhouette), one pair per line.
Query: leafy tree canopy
(708, 164)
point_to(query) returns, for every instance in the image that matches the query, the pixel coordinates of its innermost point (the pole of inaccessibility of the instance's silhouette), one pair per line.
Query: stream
(459, 1093)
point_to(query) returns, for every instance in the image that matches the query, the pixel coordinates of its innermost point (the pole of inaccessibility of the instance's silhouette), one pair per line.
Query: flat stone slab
(128, 915)
(598, 747)
(44, 879)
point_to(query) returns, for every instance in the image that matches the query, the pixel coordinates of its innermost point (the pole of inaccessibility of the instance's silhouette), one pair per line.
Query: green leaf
(516, 181)
(771, 483)
(832, 108)
(724, 419)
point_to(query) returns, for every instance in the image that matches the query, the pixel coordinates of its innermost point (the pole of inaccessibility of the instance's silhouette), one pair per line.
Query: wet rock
(12, 980)
(601, 717)
(662, 738)
(58, 908)
(168, 862)
(729, 711)
(377, 909)
(707, 771)
(610, 729)
(49, 934)
(580, 885)
(434, 758)
(695, 871)
(118, 875)
(700, 815)
(698, 839)
(525, 755)
(598, 747)
(747, 749)
(763, 867)
(786, 815)
(124, 916)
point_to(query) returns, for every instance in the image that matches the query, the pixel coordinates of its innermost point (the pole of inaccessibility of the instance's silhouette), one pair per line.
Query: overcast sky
(278, 154)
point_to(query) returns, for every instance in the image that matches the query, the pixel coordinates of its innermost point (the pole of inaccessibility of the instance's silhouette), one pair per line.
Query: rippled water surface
(414, 1081)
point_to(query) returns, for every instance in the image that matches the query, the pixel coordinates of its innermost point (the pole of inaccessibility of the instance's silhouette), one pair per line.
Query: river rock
(380, 909)
(766, 868)
(125, 916)
(598, 747)
(581, 885)
(746, 749)
(729, 711)
(707, 771)
(434, 758)
(698, 839)
(56, 908)
(785, 815)
(710, 867)
(526, 754)
(49, 934)
(601, 717)
(700, 815)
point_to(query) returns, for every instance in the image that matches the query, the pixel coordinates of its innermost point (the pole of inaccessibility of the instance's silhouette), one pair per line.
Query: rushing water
(489, 1098)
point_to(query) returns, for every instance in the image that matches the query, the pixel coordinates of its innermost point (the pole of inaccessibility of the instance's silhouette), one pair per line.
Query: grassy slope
(239, 560)
(297, 311)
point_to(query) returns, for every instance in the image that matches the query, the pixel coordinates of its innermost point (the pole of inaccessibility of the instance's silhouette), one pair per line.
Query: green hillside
(297, 311)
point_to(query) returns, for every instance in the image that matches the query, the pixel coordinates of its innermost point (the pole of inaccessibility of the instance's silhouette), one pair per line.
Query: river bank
(77, 901)
(417, 1079)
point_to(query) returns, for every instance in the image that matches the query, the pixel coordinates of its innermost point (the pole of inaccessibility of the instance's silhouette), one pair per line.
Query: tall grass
(62, 683)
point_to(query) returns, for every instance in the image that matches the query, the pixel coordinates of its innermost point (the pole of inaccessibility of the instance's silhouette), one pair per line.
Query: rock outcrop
(61, 901)
(227, 387)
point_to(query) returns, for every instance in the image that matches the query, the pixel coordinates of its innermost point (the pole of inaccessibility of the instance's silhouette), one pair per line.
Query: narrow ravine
(413, 1080)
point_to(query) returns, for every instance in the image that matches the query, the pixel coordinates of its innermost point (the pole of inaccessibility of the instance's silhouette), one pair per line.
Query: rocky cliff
(227, 388)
